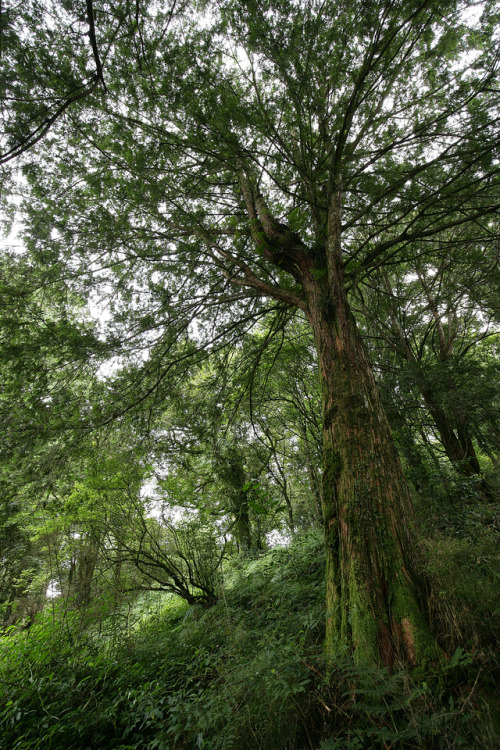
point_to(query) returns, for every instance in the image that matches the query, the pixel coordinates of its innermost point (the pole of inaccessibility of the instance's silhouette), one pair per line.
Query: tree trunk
(243, 531)
(229, 467)
(373, 597)
(87, 561)
(459, 450)
(372, 593)
(373, 601)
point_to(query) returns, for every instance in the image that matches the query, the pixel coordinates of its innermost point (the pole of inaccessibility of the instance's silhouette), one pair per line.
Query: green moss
(332, 465)
(362, 621)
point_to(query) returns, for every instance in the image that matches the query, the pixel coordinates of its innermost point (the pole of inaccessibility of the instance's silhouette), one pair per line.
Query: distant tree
(275, 386)
(435, 337)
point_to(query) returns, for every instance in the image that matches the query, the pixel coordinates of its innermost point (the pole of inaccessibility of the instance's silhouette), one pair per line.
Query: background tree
(426, 319)
(276, 386)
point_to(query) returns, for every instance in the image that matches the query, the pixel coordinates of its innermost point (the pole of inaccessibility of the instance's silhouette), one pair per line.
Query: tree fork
(373, 600)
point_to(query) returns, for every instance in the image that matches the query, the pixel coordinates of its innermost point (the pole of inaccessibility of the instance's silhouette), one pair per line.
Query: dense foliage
(255, 296)
(248, 672)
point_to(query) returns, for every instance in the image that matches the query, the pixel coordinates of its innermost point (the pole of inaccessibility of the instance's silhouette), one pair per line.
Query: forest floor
(157, 674)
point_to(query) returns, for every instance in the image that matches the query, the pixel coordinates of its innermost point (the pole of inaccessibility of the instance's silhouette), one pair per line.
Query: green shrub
(247, 673)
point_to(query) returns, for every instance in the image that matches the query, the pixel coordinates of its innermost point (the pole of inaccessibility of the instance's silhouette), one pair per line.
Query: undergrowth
(247, 673)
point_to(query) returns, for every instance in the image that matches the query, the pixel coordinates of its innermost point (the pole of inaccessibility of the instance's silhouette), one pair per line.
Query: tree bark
(243, 531)
(373, 597)
(229, 467)
(373, 590)
(87, 561)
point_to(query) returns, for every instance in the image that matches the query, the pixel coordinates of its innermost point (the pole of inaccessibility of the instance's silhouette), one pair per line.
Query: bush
(247, 673)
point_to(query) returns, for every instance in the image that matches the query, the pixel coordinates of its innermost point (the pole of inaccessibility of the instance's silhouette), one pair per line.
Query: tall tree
(282, 150)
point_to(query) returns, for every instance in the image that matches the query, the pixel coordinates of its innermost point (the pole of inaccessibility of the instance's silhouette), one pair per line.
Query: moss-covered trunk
(373, 600)
(229, 467)
(243, 531)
